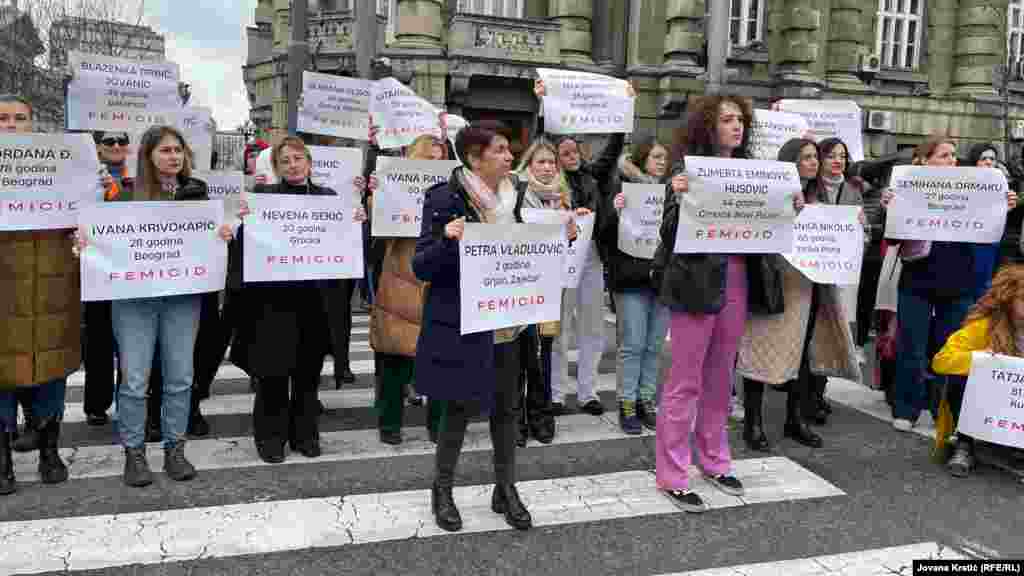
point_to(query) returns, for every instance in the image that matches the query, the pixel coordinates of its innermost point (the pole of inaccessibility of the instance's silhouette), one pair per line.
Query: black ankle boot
(753, 416)
(446, 514)
(28, 440)
(796, 426)
(51, 469)
(7, 484)
(505, 500)
(197, 425)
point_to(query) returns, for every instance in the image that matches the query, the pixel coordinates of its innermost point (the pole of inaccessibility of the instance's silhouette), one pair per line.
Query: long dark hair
(147, 176)
(700, 138)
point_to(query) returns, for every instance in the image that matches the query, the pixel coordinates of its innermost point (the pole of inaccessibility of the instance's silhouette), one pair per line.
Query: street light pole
(298, 57)
(366, 37)
(1001, 79)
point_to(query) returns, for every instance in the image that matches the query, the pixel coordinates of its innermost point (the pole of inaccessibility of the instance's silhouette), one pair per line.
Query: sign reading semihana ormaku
(993, 408)
(947, 204)
(510, 275)
(737, 206)
(149, 249)
(828, 244)
(398, 201)
(45, 179)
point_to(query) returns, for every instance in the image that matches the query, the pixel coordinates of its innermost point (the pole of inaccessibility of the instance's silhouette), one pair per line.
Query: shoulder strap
(520, 194)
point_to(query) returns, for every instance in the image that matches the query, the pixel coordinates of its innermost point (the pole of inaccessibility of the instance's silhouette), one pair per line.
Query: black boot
(505, 500)
(796, 426)
(753, 416)
(450, 436)
(51, 469)
(445, 513)
(28, 440)
(7, 484)
(197, 425)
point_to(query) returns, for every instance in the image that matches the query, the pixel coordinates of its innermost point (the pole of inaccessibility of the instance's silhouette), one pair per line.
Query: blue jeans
(641, 322)
(137, 323)
(914, 315)
(47, 402)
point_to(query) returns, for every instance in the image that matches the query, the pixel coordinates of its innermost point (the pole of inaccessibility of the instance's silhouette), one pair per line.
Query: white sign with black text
(576, 251)
(640, 219)
(401, 115)
(771, 130)
(398, 200)
(337, 168)
(828, 244)
(993, 408)
(107, 93)
(831, 119)
(335, 106)
(585, 103)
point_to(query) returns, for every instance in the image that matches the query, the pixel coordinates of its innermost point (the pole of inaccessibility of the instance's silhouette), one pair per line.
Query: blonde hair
(422, 148)
(527, 158)
(293, 142)
(925, 150)
(996, 305)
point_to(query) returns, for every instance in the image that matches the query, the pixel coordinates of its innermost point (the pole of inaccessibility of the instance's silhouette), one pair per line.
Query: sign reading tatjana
(510, 275)
(401, 115)
(947, 204)
(149, 249)
(993, 409)
(770, 130)
(737, 206)
(290, 237)
(398, 200)
(585, 103)
(576, 251)
(831, 119)
(828, 244)
(640, 219)
(45, 179)
(335, 106)
(108, 93)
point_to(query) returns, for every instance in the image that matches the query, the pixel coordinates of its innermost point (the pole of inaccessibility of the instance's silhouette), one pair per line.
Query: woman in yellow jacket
(995, 324)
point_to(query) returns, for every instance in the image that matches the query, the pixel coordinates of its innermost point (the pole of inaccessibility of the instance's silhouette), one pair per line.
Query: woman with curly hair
(996, 325)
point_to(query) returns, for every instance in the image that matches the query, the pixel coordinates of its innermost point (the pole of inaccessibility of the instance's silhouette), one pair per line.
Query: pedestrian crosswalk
(364, 506)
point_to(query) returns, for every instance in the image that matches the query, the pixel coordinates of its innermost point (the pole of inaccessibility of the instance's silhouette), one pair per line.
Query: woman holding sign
(710, 296)
(473, 371)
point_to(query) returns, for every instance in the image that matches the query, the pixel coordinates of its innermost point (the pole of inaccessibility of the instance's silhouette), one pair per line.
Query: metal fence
(229, 148)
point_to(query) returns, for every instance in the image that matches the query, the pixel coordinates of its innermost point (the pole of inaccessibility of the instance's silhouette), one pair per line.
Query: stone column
(684, 42)
(575, 17)
(846, 39)
(800, 24)
(282, 25)
(419, 24)
(941, 41)
(979, 46)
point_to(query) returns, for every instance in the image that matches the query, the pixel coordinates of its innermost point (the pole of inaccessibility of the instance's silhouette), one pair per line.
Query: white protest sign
(585, 103)
(335, 106)
(150, 249)
(737, 206)
(947, 204)
(640, 219)
(401, 115)
(108, 93)
(770, 130)
(225, 186)
(831, 119)
(45, 179)
(398, 200)
(198, 128)
(337, 168)
(993, 408)
(828, 244)
(291, 237)
(510, 275)
(576, 252)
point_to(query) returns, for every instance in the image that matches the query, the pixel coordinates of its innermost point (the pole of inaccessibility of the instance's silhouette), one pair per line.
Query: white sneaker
(902, 424)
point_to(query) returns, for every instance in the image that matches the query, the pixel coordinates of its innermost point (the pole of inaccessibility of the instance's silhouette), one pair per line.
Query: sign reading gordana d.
(335, 106)
(107, 93)
(640, 219)
(149, 249)
(585, 103)
(737, 206)
(993, 408)
(401, 115)
(510, 275)
(398, 201)
(947, 204)
(828, 244)
(292, 237)
(576, 251)
(45, 179)
(831, 119)
(770, 130)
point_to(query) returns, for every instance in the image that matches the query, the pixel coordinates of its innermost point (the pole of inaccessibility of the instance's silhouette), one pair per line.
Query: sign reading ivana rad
(770, 130)
(993, 409)
(737, 206)
(45, 179)
(831, 119)
(585, 103)
(510, 275)
(640, 219)
(576, 251)
(401, 115)
(947, 204)
(107, 93)
(828, 244)
(398, 200)
(335, 106)
(149, 249)
(292, 237)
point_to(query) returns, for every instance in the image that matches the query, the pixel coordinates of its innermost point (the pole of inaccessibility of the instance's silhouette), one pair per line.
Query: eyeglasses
(988, 157)
(123, 141)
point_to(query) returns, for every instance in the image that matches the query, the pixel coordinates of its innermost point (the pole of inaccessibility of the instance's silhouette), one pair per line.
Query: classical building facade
(105, 37)
(914, 66)
(20, 47)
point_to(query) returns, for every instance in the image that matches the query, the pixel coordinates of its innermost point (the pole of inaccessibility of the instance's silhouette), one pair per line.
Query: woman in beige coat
(811, 338)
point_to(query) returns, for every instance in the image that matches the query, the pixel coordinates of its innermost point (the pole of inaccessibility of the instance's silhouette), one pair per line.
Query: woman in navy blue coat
(477, 371)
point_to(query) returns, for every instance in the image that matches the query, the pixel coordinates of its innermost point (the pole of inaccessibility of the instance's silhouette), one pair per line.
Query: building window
(898, 36)
(1015, 33)
(746, 21)
(503, 8)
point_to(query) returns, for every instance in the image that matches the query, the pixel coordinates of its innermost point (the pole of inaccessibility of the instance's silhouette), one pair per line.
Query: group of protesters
(752, 315)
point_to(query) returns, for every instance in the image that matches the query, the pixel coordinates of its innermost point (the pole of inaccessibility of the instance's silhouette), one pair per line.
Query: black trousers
(503, 421)
(535, 382)
(99, 353)
(211, 343)
(809, 386)
(341, 331)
